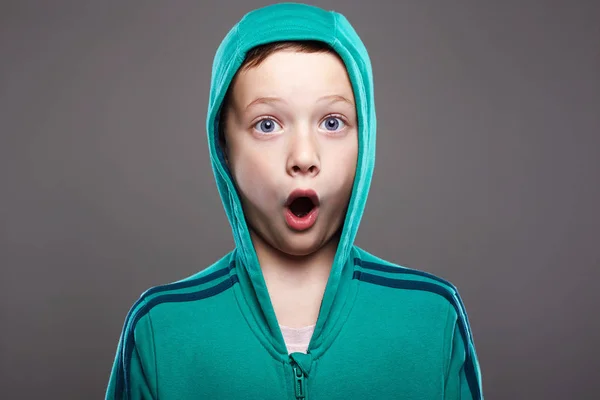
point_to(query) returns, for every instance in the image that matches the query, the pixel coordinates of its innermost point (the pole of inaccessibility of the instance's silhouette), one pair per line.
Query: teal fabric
(294, 22)
(383, 332)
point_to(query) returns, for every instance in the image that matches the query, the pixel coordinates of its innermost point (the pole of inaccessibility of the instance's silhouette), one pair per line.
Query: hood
(284, 22)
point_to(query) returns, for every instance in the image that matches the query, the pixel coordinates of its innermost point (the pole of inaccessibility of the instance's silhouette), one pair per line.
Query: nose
(303, 154)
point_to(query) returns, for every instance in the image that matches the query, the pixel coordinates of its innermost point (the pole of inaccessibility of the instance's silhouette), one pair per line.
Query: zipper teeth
(299, 383)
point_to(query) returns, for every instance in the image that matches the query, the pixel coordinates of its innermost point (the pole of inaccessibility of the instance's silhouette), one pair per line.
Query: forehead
(293, 75)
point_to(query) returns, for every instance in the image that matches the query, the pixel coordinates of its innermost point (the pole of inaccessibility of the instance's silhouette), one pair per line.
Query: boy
(295, 310)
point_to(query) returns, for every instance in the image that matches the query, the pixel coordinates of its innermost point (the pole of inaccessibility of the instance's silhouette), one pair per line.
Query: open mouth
(301, 202)
(302, 209)
(301, 206)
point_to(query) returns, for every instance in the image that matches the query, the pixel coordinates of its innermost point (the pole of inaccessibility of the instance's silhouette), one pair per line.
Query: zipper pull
(299, 382)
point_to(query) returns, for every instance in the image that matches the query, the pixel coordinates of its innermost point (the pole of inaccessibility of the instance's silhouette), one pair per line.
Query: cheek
(343, 170)
(348, 172)
(254, 177)
(347, 157)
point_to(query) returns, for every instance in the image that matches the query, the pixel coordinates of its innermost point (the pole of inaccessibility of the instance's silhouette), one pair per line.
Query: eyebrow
(333, 98)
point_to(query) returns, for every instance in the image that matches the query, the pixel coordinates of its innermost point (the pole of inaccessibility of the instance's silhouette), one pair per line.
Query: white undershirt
(297, 339)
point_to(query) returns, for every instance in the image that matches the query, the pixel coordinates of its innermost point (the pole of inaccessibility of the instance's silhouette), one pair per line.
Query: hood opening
(285, 22)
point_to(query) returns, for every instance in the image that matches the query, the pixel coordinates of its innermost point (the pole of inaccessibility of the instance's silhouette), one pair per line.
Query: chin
(299, 249)
(300, 245)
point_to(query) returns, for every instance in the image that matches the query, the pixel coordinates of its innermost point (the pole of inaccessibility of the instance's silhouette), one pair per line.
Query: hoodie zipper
(299, 381)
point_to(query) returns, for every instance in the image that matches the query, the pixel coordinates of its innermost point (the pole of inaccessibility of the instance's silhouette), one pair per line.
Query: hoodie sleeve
(462, 372)
(133, 375)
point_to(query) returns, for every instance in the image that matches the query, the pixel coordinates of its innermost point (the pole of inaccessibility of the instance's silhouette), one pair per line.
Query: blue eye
(333, 123)
(266, 125)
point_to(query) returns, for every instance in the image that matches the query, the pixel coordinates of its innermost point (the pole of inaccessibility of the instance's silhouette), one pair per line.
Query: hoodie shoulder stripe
(409, 284)
(408, 271)
(166, 298)
(191, 282)
(132, 317)
(400, 270)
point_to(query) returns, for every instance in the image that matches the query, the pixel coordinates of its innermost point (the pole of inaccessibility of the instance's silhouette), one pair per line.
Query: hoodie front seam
(340, 324)
(264, 342)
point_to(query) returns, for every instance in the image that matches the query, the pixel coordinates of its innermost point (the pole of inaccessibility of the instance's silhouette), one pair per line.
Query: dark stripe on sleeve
(158, 289)
(400, 270)
(166, 298)
(437, 289)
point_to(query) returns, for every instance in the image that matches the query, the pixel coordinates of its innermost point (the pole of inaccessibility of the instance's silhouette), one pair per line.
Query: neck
(296, 271)
(296, 284)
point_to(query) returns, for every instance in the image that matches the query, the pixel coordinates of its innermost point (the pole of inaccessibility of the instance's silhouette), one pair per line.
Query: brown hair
(256, 56)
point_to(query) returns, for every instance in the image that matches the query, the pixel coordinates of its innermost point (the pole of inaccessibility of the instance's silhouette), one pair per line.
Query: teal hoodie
(383, 332)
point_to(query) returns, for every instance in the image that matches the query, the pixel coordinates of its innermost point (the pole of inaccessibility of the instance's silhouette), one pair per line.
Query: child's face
(296, 139)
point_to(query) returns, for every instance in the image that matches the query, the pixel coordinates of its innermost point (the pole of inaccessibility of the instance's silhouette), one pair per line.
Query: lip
(311, 194)
(300, 224)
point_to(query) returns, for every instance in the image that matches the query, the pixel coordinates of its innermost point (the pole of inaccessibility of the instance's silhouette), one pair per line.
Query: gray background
(487, 174)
